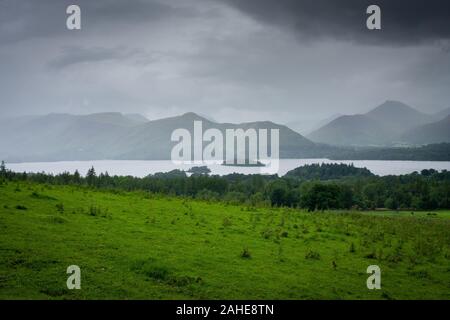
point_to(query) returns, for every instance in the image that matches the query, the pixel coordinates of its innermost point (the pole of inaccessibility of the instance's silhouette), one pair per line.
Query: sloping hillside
(384, 125)
(115, 136)
(436, 132)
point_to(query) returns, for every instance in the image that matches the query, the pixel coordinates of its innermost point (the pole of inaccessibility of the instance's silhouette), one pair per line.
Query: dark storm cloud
(403, 22)
(222, 57)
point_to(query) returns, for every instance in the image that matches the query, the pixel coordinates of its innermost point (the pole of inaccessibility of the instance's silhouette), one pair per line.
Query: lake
(142, 168)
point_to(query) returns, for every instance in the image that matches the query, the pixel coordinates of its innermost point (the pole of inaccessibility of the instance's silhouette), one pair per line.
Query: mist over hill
(435, 132)
(442, 114)
(385, 125)
(116, 136)
(100, 136)
(306, 124)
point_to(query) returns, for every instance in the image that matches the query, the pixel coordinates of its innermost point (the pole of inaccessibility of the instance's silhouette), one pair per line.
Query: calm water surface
(142, 168)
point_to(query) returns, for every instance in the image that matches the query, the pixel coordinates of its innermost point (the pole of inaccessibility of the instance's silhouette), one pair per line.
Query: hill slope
(436, 132)
(358, 130)
(398, 116)
(442, 114)
(115, 136)
(135, 246)
(379, 127)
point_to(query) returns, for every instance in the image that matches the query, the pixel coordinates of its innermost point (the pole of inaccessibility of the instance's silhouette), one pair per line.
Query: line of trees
(331, 187)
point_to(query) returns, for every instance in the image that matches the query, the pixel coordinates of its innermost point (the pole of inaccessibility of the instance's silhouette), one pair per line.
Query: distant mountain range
(390, 124)
(57, 137)
(117, 136)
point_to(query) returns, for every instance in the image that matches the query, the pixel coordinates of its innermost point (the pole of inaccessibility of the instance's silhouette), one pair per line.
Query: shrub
(57, 220)
(267, 234)
(97, 212)
(284, 234)
(420, 274)
(226, 222)
(60, 207)
(246, 253)
(395, 256)
(371, 255)
(313, 255)
(182, 280)
(36, 195)
(151, 269)
(352, 248)
(156, 271)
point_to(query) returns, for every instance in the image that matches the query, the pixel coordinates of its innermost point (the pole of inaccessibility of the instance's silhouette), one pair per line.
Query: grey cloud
(72, 55)
(403, 22)
(133, 11)
(220, 58)
(26, 19)
(22, 20)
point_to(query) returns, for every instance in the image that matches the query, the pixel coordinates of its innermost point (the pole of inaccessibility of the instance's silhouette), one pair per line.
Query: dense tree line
(430, 152)
(325, 187)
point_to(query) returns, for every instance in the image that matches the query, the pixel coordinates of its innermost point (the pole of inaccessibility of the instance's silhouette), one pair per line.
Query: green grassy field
(143, 246)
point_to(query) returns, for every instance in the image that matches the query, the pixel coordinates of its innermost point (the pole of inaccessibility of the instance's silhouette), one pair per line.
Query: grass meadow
(139, 245)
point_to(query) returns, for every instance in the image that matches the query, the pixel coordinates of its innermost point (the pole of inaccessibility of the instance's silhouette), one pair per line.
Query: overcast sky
(233, 60)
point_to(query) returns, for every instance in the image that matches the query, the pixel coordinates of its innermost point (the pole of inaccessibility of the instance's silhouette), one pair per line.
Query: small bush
(156, 271)
(94, 211)
(21, 207)
(420, 274)
(151, 269)
(182, 281)
(60, 207)
(371, 255)
(395, 256)
(246, 253)
(98, 212)
(387, 296)
(226, 222)
(352, 248)
(313, 255)
(57, 220)
(267, 234)
(36, 195)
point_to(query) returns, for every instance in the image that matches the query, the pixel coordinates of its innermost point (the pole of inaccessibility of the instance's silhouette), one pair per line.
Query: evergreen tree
(91, 177)
(76, 177)
(2, 169)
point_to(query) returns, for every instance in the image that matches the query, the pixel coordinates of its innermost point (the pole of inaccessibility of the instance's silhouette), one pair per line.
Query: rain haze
(202, 152)
(283, 61)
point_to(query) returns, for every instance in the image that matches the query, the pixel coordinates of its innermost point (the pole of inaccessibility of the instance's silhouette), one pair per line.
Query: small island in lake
(199, 170)
(257, 164)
